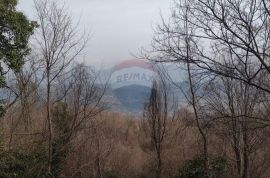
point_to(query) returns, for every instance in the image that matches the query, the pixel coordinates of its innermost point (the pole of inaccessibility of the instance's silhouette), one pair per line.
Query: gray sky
(118, 27)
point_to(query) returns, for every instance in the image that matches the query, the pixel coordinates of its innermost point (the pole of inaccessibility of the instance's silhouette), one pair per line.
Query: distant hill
(135, 106)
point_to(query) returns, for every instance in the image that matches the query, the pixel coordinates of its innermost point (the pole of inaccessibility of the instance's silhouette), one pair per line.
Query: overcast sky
(118, 27)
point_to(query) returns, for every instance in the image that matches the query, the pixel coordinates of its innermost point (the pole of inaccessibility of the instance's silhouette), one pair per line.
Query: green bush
(195, 168)
(62, 121)
(112, 174)
(18, 164)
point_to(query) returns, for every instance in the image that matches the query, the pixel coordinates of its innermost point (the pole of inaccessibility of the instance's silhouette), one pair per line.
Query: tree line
(55, 120)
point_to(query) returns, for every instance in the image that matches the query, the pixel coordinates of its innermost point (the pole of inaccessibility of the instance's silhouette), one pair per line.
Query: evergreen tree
(15, 30)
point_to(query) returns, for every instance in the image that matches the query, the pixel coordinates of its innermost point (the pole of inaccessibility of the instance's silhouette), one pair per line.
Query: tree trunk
(50, 149)
(159, 166)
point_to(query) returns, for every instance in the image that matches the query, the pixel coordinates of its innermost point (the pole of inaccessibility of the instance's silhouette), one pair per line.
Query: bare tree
(223, 32)
(157, 118)
(82, 103)
(20, 95)
(176, 45)
(234, 109)
(98, 143)
(220, 38)
(27, 83)
(60, 44)
(84, 97)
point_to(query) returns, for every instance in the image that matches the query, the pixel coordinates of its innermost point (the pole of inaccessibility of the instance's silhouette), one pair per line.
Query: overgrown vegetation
(56, 123)
(195, 168)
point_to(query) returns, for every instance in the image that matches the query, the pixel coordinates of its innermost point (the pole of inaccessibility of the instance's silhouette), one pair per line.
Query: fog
(118, 28)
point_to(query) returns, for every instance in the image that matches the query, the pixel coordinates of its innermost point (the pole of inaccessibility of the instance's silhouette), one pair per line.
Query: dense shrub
(195, 168)
(62, 120)
(18, 164)
(112, 174)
